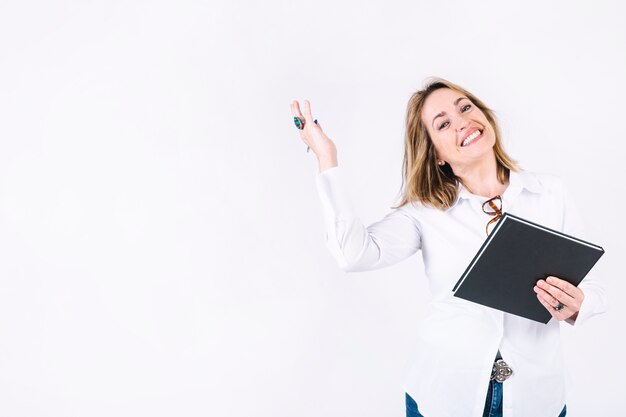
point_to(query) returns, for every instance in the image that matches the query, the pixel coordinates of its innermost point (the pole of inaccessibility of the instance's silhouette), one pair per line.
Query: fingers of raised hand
(307, 110)
(307, 117)
(305, 123)
(295, 110)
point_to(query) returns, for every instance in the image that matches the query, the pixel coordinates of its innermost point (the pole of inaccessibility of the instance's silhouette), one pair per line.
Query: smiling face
(459, 130)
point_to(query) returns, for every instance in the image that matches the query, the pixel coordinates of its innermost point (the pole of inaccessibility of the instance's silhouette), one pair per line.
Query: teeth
(471, 137)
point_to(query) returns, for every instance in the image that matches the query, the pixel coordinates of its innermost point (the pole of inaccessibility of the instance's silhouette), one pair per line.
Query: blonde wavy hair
(423, 180)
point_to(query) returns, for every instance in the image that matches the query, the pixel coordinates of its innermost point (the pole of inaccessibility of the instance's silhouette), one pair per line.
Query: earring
(441, 163)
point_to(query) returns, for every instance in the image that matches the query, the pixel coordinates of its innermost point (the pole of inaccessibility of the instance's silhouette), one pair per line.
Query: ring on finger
(299, 122)
(560, 306)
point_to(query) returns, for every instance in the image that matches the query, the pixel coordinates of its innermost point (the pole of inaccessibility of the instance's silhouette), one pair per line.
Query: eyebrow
(443, 112)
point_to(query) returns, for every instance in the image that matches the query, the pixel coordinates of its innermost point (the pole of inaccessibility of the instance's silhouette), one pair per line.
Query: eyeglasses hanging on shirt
(494, 209)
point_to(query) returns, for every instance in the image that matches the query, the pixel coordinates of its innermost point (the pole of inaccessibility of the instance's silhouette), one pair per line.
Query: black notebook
(516, 254)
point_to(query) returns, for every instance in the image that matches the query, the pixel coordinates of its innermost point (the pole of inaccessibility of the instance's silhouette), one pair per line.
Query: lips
(471, 136)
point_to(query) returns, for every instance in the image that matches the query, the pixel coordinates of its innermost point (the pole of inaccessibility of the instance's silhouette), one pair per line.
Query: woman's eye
(444, 124)
(466, 107)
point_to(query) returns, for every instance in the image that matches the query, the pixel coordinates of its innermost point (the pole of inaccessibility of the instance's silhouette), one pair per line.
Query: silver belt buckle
(500, 371)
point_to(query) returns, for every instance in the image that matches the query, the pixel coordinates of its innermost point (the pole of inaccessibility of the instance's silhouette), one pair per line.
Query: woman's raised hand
(314, 137)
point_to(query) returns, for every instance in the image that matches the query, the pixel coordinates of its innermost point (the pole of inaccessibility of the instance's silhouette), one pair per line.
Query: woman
(469, 360)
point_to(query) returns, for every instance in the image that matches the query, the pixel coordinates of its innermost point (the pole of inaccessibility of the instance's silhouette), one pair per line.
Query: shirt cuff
(333, 193)
(593, 304)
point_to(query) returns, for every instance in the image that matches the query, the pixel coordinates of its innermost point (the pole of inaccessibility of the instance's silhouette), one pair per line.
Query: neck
(481, 178)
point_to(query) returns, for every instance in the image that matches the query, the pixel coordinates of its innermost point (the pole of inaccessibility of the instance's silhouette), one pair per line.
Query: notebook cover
(516, 254)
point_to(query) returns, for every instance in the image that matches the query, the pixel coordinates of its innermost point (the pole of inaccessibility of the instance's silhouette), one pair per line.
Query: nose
(461, 123)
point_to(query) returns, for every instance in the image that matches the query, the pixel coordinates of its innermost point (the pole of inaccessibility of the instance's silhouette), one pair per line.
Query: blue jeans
(493, 403)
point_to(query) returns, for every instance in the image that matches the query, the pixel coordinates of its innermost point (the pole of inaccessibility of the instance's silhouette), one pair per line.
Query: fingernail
(549, 279)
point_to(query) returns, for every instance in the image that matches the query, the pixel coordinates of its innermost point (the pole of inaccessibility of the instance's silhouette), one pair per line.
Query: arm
(355, 246)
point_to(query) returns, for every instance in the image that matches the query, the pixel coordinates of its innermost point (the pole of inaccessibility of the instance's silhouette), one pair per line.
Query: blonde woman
(469, 360)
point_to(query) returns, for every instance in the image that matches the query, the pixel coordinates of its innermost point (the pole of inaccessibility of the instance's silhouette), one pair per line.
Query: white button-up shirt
(449, 369)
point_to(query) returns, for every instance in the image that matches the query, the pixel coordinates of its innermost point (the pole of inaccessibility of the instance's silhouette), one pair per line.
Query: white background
(161, 239)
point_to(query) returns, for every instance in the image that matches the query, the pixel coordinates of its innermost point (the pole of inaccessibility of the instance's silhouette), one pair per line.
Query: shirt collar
(517, 182)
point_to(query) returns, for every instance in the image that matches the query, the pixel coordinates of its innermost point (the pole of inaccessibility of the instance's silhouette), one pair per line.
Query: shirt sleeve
(354, 246)
(594, 302)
